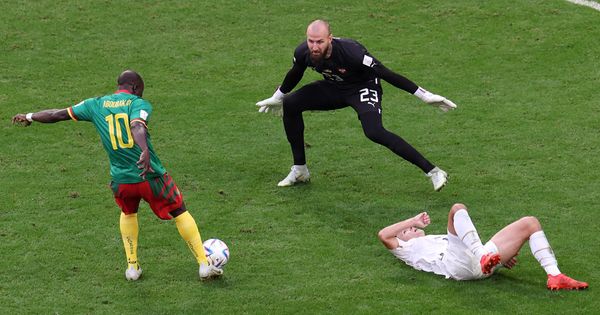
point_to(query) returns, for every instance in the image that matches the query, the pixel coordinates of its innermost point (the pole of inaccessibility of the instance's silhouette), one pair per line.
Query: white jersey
(444, 255)
(424, 253)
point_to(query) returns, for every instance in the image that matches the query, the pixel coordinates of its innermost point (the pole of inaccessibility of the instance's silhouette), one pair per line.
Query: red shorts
(160, 193)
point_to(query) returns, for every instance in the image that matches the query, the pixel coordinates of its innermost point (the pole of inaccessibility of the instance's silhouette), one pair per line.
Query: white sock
(301, 168)
(543, 252)
(467, 233)
(434, 170)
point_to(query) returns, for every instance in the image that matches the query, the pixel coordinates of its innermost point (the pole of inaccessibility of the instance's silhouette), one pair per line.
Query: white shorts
(460, 263)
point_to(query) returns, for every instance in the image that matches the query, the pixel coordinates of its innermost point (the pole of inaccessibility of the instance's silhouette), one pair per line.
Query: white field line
(590, 4)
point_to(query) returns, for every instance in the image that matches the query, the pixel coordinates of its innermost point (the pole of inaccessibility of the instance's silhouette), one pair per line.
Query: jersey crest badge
(368, 61)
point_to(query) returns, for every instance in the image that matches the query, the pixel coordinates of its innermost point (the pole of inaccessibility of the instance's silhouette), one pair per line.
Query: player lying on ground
(460, 255)
(121, 121)
(351, 77)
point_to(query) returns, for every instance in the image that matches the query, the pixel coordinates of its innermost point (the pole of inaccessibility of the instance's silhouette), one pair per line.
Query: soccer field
(524, 74)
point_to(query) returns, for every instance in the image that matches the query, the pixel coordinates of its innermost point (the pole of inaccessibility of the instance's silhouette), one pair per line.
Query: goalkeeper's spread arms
(357, 61)
(351, 78)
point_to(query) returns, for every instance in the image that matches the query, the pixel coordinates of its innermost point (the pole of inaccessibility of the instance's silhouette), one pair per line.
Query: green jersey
(112, 115)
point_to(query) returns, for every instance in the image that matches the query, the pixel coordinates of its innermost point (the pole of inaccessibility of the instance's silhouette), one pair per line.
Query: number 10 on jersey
(116, 132)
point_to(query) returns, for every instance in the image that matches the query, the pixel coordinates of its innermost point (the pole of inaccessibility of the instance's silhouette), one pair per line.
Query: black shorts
(326, 95)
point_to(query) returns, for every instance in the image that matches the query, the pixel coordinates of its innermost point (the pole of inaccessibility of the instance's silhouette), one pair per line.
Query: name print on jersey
(113, 104)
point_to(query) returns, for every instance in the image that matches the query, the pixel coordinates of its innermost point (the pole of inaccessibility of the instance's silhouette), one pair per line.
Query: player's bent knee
(532, 223)
(456, 207)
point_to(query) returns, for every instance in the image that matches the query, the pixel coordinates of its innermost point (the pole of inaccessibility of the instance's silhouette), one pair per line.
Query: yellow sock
(129, 233)
(186, 225)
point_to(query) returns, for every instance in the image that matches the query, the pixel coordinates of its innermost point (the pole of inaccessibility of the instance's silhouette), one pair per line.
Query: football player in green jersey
(121, 120)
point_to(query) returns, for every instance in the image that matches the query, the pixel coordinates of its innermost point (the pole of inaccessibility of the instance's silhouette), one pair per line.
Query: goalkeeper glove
(272, 104)
(434, 99)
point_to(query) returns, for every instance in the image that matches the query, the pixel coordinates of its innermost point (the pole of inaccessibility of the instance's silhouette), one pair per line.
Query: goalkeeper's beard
(318, 59)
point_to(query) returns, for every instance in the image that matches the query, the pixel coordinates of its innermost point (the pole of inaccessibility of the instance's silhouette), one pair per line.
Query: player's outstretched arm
(435, 100)
(394, 78)
(407, 85)
(138, 130)
(388, 234)
(274, 103)
(45, 116)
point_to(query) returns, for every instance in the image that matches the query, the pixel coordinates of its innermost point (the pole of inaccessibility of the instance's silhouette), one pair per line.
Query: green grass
(523, 142)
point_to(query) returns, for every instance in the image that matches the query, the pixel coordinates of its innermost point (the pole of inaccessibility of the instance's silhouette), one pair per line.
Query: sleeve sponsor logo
(143, 114)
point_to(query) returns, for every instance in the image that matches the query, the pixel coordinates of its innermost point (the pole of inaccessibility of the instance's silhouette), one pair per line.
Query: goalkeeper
(351, 78)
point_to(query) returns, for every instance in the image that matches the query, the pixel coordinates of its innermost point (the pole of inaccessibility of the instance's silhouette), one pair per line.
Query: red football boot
(562, 282)
(488, 262)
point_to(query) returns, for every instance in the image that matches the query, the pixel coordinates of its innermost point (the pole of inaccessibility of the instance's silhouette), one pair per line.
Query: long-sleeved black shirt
(349, 64)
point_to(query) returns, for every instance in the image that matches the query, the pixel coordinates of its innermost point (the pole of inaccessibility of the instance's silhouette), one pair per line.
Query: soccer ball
(217, 252)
